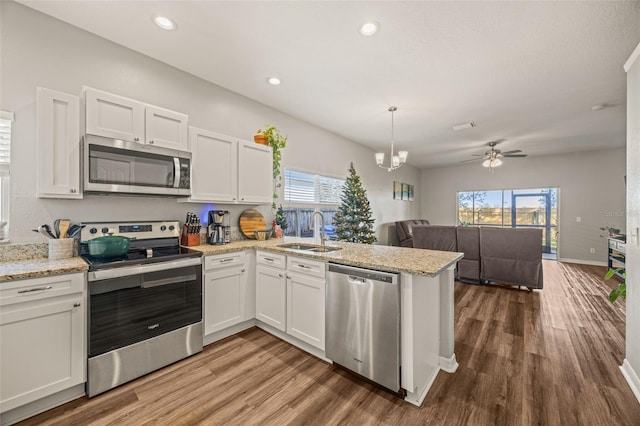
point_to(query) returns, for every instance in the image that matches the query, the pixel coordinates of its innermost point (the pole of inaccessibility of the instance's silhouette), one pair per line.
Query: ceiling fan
(492, 158)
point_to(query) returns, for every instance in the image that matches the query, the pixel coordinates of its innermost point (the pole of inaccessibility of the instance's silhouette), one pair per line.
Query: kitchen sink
(309, 247)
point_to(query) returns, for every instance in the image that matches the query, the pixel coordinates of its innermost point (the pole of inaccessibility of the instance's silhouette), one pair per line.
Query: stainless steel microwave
(117, 166)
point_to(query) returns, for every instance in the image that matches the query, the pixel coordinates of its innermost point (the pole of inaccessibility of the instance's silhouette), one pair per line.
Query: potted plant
(277, 142)
(621, 290)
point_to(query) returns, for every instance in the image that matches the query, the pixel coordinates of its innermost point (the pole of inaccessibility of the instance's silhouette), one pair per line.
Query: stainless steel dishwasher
(363, 323)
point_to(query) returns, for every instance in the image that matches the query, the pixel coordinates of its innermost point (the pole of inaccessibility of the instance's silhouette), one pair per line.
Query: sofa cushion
(434, 237)
(469, 242)
(404, 229)
(512, 256)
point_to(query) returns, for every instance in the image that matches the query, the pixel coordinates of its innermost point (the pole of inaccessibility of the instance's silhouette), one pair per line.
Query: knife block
(189, 239)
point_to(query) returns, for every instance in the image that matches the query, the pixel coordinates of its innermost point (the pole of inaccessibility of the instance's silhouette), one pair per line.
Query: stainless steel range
(145, 307)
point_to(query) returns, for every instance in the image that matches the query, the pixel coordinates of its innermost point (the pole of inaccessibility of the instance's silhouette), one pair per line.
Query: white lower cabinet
(271, 296)
(228, 293)
(305, 300)
(42, 338)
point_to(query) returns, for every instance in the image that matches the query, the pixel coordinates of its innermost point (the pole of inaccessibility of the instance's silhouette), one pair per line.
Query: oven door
(128, 309)
(112, 165)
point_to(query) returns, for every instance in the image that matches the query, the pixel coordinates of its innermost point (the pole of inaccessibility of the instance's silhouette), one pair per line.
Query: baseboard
(582, 262)
(411, 398)
(36, 407)
(229, 331)
(449, 365)
(631, 377)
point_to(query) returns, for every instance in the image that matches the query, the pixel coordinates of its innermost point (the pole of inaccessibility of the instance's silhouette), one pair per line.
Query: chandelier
(396, 160)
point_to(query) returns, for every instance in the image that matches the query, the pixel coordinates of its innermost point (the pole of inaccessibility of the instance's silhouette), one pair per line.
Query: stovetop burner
(151, 242)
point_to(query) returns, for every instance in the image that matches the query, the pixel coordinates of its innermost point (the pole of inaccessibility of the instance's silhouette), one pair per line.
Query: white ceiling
(526, 72)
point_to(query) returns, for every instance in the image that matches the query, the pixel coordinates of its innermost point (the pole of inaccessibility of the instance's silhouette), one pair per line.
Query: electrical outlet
(578, 219)
(592, 250)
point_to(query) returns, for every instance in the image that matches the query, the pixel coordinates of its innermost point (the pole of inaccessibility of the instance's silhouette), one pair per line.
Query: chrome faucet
(323, 233)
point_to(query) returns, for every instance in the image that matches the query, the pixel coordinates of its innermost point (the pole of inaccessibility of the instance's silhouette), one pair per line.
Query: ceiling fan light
(403, 156)
(486, 163)
(379, 158)
(497, 162)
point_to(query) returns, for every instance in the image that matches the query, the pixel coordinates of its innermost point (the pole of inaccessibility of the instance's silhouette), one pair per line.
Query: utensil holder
(189, 239)
(60, 248)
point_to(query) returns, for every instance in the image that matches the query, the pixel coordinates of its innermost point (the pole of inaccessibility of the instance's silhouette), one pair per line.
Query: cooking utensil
(74, 230)
(56, 228)
(46, 231)
(63, 227)
(108, 246)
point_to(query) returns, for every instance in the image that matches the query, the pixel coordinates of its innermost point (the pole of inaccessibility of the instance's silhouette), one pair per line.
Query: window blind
(5, 141)
(303, 187)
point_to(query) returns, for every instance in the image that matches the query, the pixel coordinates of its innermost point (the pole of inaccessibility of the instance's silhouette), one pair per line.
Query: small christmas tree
(353, 220)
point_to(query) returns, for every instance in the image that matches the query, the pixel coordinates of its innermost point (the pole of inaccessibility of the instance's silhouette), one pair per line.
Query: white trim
(632, 58)
(583, 262)
(631, 377)
(411, 397)
(229, 331)
(6, 115)
(448, 365)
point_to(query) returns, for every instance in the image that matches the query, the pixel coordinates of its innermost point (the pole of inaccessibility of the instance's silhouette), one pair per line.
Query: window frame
(5, 176)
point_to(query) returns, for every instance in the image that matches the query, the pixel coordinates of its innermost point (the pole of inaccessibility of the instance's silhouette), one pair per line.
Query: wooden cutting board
(251, 221)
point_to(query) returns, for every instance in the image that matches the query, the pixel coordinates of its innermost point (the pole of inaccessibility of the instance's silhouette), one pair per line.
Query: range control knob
(163, 228)
(171, 227)
(105, 230)
(93, 230)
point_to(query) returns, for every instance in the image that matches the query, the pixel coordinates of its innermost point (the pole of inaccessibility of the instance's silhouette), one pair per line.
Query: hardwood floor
(546, 357)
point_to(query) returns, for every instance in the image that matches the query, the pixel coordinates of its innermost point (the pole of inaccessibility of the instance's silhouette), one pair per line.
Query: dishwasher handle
(356, 280)
(367, 274)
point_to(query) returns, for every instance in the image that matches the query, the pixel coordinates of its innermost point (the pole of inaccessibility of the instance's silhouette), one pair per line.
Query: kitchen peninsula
(426, 299)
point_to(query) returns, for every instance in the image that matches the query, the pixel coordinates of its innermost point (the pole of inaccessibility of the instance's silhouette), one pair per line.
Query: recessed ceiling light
(274, 81)
(369, 28)
(463, 126)
(164, 23)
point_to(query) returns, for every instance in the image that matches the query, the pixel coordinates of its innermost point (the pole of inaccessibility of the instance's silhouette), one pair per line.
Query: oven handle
(166, 281)
(142, 269)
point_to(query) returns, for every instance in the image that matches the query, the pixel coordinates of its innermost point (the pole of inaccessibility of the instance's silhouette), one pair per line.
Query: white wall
(631, 367)
(38, 50)
(591, 187)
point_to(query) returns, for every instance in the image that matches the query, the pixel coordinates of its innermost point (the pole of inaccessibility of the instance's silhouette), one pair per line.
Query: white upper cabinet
(114, 116)
(166, 128)
(58, 141)
(213, 166)
(225, 169)
(255, 177)
(118, 117)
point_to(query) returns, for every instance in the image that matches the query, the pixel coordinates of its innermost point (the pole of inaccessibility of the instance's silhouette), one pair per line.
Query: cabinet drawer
(223, 260)
(271, 259)
(306, 266)
(40, 288)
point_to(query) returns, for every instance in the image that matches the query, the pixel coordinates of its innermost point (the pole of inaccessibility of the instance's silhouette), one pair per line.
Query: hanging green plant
(277, 142)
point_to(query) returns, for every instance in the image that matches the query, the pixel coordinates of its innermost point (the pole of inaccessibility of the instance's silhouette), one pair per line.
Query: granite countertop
(33, 268)
(385, 258)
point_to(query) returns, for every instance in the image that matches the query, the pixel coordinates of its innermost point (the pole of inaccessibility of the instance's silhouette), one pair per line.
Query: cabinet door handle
(242, 271)
(36, 289)
(226, 260)
(136, 139)
(280, 275)
(73, 191)
(288, 276)
(77, 304)
(303, 266)
(268, 259)
(151, 142)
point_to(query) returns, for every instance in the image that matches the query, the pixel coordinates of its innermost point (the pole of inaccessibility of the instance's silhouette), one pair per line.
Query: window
(309, 188)
(5, 160)
(515, 208)
(316, 193)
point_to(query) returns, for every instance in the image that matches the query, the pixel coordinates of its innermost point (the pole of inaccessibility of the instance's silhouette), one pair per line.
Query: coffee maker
(218, 229)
